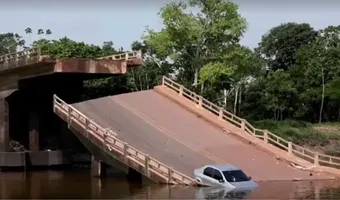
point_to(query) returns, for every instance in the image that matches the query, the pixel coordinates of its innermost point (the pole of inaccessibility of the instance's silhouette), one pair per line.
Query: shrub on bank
(300, 132)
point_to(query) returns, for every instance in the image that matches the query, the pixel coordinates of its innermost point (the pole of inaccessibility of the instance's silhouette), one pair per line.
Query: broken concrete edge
(221, 124)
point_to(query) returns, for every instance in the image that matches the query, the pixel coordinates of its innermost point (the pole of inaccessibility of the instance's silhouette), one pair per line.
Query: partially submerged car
(224, 175)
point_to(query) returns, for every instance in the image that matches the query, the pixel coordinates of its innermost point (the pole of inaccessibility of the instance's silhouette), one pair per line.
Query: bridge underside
(28, 82)
(178, 138)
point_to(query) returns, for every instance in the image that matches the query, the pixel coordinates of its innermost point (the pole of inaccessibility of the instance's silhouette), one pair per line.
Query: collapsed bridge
(167, 132)
(162, 134)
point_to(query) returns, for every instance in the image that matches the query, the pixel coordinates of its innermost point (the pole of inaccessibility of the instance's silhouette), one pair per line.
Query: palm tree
(40, 32)
(28, 31)
(48, 32)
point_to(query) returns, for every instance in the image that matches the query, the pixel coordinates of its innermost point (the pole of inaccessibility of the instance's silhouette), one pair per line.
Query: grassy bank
(323, 137)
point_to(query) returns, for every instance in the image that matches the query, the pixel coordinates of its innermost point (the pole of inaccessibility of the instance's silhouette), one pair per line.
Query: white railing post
(290, 148)
(316, 158)
(180, 90)
(69, 116)
(146, 165)
(243, 125)
(125, 152)
(265, 136)
(170, 172)
(220, 113)
(54, 104)
(104, 138)
(200, 102)
(87, 122)
(127, 56)
(163, 80)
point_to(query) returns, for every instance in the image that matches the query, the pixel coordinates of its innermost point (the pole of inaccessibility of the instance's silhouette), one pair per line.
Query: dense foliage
(294, 73)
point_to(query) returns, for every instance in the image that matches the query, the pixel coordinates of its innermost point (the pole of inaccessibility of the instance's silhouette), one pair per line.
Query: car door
(207, 177)
(218, 177)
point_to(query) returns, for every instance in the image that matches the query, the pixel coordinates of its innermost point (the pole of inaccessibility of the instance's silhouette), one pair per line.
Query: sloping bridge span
(107, 140)
(165, 136)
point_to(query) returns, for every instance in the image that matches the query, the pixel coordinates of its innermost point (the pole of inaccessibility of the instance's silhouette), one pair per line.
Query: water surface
(78, 184)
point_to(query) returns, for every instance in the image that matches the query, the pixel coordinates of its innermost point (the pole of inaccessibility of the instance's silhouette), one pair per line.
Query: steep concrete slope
(177, 137)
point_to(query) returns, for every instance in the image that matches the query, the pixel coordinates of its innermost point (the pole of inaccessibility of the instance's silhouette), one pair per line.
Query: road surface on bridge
(169, 133)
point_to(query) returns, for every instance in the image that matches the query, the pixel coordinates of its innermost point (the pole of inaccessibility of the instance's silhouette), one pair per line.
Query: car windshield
(235, 176)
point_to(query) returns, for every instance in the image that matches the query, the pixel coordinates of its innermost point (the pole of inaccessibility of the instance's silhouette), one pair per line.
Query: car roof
(224, 167)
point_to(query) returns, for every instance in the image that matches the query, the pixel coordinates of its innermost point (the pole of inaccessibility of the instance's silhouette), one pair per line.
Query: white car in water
(224, 175)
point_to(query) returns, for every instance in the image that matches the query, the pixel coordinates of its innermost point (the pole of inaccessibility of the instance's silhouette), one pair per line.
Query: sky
(96, 21)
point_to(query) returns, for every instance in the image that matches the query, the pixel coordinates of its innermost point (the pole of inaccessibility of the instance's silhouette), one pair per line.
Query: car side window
(208, 172)
(217, 175)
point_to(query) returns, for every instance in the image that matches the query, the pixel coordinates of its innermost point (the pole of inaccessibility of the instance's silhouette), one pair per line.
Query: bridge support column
(98, 168)
(4, 125)
(34, 131)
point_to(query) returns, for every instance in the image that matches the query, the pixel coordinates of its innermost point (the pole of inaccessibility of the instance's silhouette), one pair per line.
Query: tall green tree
(280, 45)
(318, 65)
(194, 39)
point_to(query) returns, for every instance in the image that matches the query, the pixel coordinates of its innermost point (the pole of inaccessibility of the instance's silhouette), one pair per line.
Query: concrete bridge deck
(31, 63)
(179, 135)
(165, 131)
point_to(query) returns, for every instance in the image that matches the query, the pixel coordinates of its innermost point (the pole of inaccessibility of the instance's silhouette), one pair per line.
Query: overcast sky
(125, 21)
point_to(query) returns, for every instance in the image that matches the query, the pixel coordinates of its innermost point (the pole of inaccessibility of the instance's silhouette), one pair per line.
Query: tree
(193, 40)
(280, 45)
(279, 91)
(28, 31)
(40, 32)
(48, 32)
(233, 73)
(9, 42)
(151, 73)
(65, 48)
(317, 65)
(108, 48)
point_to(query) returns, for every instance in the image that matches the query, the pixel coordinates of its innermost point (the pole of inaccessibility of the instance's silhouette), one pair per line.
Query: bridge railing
(124, 56)
(265, 135)
(19, 58)
(109, 139)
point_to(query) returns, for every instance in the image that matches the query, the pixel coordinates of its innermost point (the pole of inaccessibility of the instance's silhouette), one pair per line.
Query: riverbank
(324, 137)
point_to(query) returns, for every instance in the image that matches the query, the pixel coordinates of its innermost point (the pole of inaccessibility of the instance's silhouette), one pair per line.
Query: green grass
(303, 133)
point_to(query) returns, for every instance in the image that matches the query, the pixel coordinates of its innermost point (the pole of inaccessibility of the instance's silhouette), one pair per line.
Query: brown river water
(78, 184)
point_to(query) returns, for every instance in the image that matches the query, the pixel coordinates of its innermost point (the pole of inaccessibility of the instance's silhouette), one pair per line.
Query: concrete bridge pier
(98, 168)
(4, 121)
(34, 131)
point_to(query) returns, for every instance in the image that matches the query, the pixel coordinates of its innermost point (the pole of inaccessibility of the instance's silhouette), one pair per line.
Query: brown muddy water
(78, 184)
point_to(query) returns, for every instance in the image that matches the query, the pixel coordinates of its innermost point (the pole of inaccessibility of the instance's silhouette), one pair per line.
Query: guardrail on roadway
(32, 55)
(20, 58)
(124, 56)
(113, 144)
(244, 125)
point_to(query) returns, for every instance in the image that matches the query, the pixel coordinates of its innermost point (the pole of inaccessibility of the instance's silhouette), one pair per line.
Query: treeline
(294, 73)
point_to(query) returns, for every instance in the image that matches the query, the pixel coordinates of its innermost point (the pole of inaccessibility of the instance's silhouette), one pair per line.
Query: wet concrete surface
(78, 184)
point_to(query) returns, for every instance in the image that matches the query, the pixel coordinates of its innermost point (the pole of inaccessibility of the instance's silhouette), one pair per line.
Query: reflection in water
(79, 184)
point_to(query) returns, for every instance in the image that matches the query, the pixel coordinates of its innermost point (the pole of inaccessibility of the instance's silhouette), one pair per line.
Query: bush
(299, 132)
